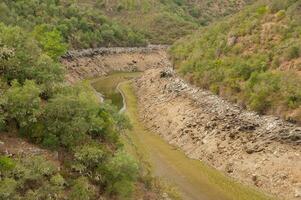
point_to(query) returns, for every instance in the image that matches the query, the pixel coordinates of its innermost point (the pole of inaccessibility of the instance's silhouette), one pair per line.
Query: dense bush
(22, 103)
(82, 190)
(250, 58)
(68, 119)
(165, 21)
(28, 178)
(79, 26)
(120, 174)
(25, 60)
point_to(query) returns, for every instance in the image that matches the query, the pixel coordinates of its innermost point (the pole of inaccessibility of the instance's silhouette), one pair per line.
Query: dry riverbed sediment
(262, 151)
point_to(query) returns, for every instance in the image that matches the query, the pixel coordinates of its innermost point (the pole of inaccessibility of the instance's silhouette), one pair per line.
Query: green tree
(51, 41)
(22, 103)
(68, 115)
(88, 157)
(82, 190)
(120, 173)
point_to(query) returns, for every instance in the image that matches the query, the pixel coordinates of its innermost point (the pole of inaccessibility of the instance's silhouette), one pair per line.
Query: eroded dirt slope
(93, 63)
(263, 151)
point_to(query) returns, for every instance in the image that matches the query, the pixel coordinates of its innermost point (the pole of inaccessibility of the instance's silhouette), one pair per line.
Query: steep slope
(252, 58)
(81, 27)
(164, 21)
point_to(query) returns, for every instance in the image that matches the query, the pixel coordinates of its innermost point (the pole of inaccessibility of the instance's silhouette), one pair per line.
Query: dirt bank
(93, 63)
(263, 151)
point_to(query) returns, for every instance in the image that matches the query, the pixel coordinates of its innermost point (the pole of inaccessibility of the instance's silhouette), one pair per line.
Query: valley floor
(195, 180)
(262, 151)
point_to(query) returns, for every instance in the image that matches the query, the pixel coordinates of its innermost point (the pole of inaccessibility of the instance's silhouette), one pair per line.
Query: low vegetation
(79, 27)
(252, 58)
(85, 24)
(165, 21)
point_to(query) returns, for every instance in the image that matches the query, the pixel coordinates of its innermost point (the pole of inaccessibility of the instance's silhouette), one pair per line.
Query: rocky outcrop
(93, 63)
(264, 151)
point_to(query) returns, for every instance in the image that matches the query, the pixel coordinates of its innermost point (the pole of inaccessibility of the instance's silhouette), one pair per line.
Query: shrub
(51, 41)
(82, 190)
(293, 52)
(58, 180)
(120, 174)
(23, 102)
(50, 141)
(90, 156)
(27, 61)
(6, 164)
(8, 188)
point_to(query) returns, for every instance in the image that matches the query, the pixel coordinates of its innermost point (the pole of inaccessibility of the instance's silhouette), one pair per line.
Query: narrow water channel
(195, 180)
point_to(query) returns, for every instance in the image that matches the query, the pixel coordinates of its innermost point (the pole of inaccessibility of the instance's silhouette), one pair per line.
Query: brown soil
(13, 146)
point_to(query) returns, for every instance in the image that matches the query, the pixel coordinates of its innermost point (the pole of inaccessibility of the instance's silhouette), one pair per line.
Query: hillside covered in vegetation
(37, 105)
(85, 24)
(165, 21)
(80, 27)
(252, 58)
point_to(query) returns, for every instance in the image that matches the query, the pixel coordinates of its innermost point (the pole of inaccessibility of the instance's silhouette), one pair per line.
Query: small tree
(51, 41)
(23, 103)
(120, 173)
(82, 190)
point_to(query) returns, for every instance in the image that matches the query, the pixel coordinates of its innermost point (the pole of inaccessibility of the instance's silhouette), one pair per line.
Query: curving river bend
(194, 179)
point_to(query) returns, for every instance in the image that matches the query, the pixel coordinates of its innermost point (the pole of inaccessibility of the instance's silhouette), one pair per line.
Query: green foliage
(88, 157)
(8, 188)
(58, 180)
(59, 22)
(72, 114)
(25, 60)
(30, 178)
(22, 103)
(82, 190)
(277, 5)
(6, 164)
(34, 35)
(165, 21)
(50, 41)
(120, 174)
(293, 52)
(240, 57)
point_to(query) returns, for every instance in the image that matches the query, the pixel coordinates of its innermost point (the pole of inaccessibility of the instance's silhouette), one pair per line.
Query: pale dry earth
(263, 151)
(93, 63)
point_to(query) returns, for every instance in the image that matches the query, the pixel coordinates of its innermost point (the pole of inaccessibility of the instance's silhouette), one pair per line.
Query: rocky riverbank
(92, 63)
(262, 151)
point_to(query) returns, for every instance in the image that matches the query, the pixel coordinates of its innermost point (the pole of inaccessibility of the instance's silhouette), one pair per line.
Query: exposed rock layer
(260, 150)
(93, 63)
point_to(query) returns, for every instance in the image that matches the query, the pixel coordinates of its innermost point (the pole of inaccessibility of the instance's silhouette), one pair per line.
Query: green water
(194, 179)
(107, 86)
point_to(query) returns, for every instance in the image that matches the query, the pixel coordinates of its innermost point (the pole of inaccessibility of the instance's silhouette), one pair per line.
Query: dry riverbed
(262, 151)
(194, 179)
